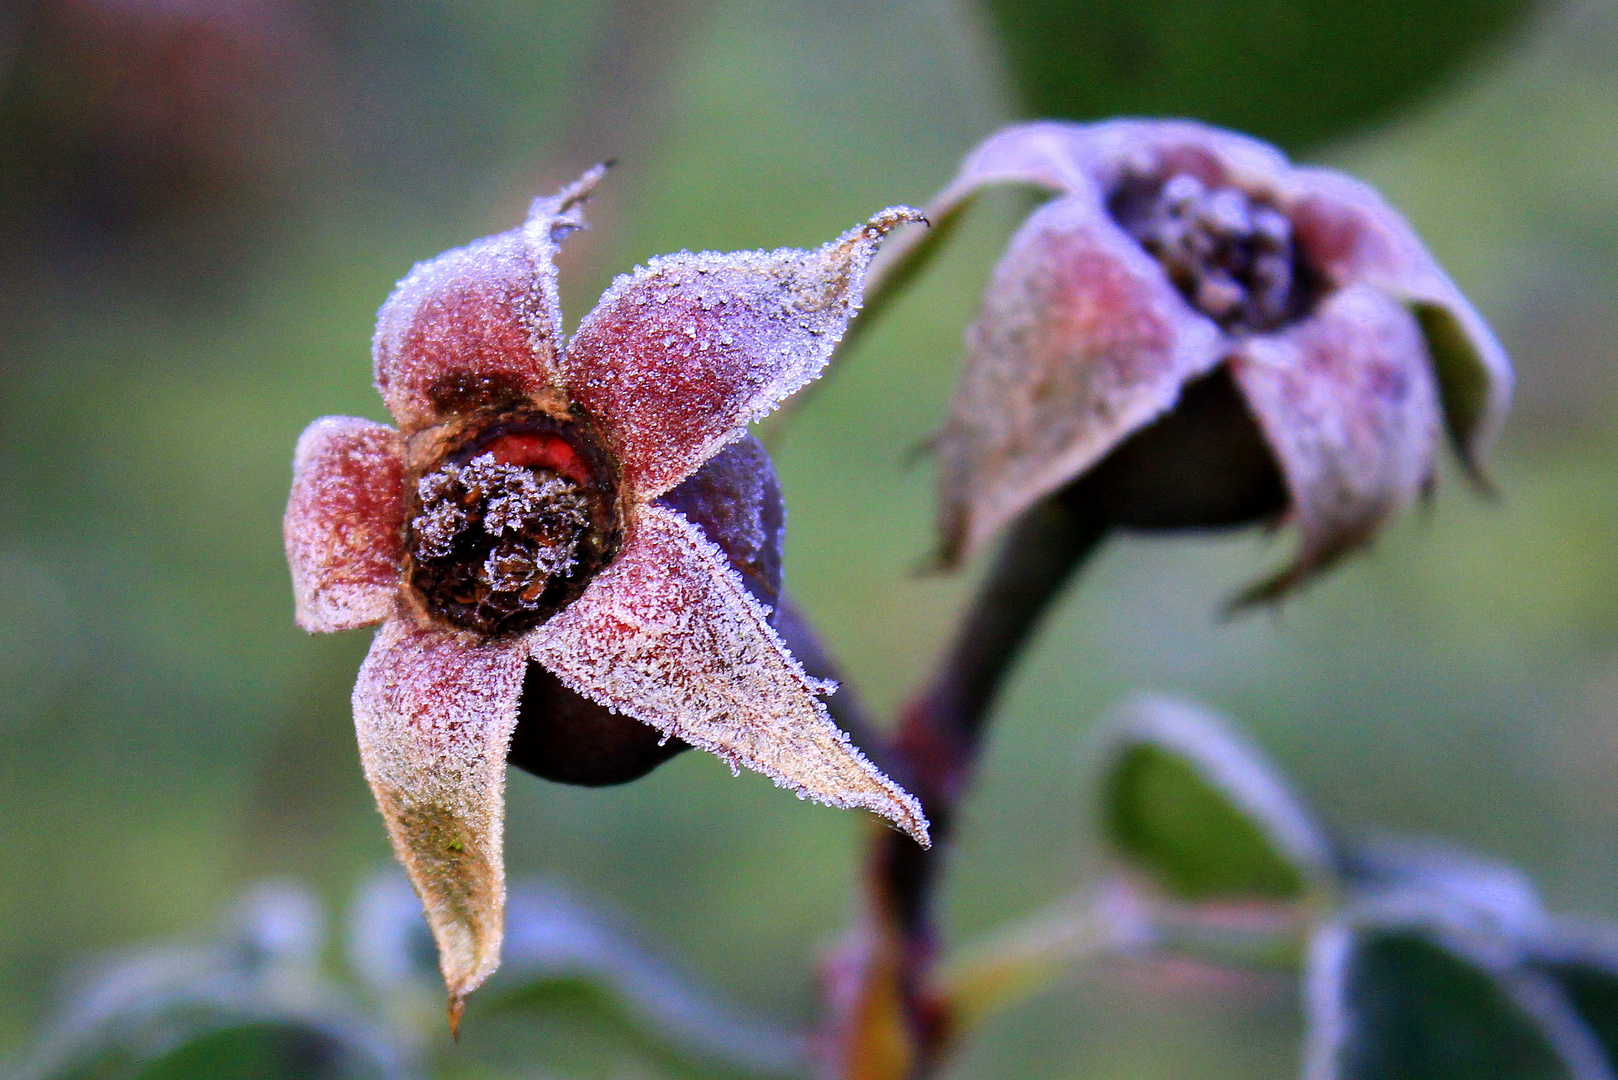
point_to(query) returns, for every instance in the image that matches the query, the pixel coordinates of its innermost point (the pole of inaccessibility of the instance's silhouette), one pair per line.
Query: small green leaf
(1199, 811)
(1295, 73)
(1412, 1002)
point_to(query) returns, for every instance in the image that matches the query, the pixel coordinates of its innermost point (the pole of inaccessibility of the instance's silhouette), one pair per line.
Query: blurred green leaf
(1404, 1002)
(1295, 72)
(1191, 804)
(1584, 964)
(262, 1051)
(576, 988)
(250, 1003)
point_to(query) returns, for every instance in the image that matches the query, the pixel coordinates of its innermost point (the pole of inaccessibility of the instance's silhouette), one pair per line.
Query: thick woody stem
(936, 749)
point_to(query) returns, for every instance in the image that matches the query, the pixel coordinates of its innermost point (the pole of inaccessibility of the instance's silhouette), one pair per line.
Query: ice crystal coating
(343, 523)
(1233, 257)
(521, 470)
(434, 709)
(478, 326)
(669, 635)
(495, 544)
(681, 355)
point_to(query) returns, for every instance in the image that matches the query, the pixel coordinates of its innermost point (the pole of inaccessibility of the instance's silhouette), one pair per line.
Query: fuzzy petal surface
(669, 635)
(478, 325)
(682, 354)
(1348, 403)
(344, 525)
(1081, 341)
(1354, 237)
(435, 709)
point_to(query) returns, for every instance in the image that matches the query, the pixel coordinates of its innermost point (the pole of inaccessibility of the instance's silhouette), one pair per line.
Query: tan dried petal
(344, 525)
(1354, 237)
(682, 354)
(478, 325)
(1348, 404)
(669, 635)
(1081, 341)
(435, 709)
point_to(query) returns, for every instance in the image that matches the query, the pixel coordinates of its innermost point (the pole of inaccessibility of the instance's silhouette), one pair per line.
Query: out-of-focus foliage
(1202, 814)
(1293, 72)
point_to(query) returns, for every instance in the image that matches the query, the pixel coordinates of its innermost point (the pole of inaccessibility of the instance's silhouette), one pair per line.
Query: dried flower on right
(1196, 332)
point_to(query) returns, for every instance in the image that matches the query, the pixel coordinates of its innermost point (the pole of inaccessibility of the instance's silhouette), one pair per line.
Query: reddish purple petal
(435, 709)
(478, 325)
(1352, 236)
(669, 635)
(1348, 403)
(681, 355)
(344, 525)
(1081, 341)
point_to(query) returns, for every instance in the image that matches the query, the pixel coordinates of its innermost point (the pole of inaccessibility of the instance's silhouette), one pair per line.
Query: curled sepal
(1081, 340)
(1347, 404)
(1347, 230)
(682, 354)
(1194, 807)
(669, 635)
(344, 523)
(479, 325)
(435, 709)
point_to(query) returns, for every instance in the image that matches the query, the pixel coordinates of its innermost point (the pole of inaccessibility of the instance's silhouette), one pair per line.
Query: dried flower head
(529, 511)
(1185, 267)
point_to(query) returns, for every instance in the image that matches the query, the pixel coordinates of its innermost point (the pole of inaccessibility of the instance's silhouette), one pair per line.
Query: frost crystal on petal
(669, 635)
(494, 542)
(434, 709)
(681, 355)
(480, 325)
(1081, 341)
(344, 523)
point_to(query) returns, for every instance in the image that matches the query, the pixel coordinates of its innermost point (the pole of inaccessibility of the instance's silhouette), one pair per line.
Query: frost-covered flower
(1185, 285)
(527, 511)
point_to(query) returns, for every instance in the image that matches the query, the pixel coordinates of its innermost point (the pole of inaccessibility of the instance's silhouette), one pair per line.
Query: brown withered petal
(1024, 422)
(1078, 344)
(1346, 401)
(669, 635)
(682, 354)
(434, 709)
(343, 523)
(477, 325)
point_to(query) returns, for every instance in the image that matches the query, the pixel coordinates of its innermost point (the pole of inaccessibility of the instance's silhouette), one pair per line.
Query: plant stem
(939, 737)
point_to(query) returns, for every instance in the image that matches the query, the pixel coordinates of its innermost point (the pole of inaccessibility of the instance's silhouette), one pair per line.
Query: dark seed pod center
(1230, 253)
(511, 525)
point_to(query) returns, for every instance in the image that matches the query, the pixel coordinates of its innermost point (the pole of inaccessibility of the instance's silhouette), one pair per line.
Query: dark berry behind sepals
(1203, 465)
(736, 501)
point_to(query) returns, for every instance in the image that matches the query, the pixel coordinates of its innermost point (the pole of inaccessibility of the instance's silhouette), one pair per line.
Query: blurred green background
(204, 204)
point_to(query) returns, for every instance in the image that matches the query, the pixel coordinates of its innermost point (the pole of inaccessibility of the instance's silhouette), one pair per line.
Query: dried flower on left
(536, 507)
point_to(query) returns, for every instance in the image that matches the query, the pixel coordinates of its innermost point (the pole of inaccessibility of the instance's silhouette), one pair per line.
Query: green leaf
(1584, 964)
(1416, 1001)
(262, 1051)
(1200, 812)
(1294, 72)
